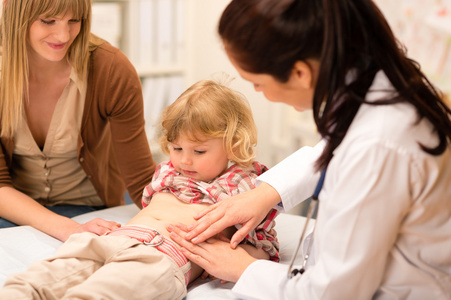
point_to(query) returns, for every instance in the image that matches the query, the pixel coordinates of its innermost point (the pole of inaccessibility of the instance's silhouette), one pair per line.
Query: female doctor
(383, 228)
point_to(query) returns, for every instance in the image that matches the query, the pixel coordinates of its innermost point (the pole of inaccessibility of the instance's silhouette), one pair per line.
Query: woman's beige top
(112, 145)
(54, 175)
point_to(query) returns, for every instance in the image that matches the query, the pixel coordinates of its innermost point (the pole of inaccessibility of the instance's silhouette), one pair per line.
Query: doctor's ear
(303, 73)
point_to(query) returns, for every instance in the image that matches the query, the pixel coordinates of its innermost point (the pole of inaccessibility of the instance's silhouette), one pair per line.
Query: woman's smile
(57, 46)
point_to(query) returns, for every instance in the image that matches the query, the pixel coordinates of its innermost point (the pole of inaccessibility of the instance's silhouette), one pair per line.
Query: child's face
(50, 38)
(202, 161)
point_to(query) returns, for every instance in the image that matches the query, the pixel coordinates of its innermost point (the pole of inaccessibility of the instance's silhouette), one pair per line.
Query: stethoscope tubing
(313, 205)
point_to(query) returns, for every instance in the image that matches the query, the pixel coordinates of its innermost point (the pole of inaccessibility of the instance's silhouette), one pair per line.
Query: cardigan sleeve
(5, 178)
(118, 90)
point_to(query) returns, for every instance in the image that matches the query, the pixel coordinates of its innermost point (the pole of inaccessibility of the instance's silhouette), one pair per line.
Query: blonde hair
(211, 110)
(17, 17)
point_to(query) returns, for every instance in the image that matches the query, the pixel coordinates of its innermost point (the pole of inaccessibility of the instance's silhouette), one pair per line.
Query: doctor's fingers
(218, 259)
(205, 211)
(202, 254)
(208, 226)
(241, 233)
(195, 253)
(225, 214)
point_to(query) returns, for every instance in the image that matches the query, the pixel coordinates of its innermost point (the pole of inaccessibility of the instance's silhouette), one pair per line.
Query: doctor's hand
(247, 209)
(214, 256)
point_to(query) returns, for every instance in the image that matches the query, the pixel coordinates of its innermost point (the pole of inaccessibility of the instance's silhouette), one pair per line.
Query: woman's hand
(214, 256)
(98, 226)
(205, 275)
(247, 209)
(26, 211)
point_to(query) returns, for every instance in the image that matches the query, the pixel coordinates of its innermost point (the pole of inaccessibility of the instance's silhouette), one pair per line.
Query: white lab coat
(383, 229)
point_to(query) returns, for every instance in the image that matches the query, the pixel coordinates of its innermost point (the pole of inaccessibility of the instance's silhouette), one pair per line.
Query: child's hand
(205, 275)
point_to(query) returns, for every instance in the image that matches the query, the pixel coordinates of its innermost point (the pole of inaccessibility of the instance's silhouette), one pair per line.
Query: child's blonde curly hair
(209, 109)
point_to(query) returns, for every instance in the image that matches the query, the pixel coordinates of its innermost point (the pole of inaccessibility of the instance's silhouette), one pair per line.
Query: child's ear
(303, 73)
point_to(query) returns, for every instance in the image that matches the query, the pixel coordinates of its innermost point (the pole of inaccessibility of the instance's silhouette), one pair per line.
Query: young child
(209, 134)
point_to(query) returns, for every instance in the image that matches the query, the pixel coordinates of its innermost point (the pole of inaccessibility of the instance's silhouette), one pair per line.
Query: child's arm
(254, 252)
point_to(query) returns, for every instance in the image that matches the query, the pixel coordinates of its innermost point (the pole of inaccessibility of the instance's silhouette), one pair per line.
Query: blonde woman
(209, 134)
(72, 127)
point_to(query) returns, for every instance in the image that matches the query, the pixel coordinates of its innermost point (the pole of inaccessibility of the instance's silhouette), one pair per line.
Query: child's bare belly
(165, 209)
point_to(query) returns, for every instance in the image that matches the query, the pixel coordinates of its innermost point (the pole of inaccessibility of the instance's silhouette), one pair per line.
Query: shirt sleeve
(295, 178)
(266, 280)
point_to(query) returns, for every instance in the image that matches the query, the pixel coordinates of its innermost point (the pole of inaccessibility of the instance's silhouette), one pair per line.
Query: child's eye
(47, 22)
(200, 152)
(74, 20)
(177, 148)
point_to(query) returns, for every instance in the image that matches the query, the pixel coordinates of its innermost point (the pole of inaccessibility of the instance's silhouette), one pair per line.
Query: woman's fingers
(178, 235)
(213, 255)
(241, 233)
(179, 230)
(208, 229)
(205, 211)
(215, 221)
(99, 226)
(218, 259)
(207, 225)
(247, 209)
(182, 227)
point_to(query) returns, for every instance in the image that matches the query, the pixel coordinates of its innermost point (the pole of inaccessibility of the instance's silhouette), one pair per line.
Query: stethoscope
(311, 210)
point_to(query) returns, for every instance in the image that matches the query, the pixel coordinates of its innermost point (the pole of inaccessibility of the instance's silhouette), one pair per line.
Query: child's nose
(186, 159)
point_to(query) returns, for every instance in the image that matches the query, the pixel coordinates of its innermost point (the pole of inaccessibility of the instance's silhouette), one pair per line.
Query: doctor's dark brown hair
(269, 36)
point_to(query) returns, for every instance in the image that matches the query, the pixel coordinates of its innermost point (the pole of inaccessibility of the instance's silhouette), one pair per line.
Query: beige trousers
(88, 266)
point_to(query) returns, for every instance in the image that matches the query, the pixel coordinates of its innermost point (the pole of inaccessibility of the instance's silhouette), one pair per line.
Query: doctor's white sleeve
(270, 275)
(294, 178)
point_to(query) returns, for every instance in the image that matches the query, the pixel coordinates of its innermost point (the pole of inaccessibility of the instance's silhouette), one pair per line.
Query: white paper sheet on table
(20, 246)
